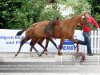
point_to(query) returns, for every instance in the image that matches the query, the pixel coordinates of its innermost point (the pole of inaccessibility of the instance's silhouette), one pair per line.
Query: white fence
(95, 41)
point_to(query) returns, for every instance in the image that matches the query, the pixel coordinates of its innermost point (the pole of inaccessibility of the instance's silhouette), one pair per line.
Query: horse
(65, 31)
(30, 35)
(48, 30)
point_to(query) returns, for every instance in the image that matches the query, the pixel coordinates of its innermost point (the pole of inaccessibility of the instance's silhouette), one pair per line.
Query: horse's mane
(74, 17)
(68, 21)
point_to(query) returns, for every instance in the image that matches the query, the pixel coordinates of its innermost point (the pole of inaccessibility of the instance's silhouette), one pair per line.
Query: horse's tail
(20, 32)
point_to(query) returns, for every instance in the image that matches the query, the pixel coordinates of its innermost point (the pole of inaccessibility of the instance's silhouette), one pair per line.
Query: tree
(80, 7)
(95, 9)
(18, 14)
(7, 8)
(50, 12)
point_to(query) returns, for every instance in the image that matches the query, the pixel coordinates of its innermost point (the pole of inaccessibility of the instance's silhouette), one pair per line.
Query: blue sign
(68, 45)
(67, 42)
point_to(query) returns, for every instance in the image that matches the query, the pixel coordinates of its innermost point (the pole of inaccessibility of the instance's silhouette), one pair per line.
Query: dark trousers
(86, 41)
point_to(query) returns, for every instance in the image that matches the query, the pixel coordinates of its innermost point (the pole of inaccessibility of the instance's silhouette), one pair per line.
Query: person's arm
(95, 23)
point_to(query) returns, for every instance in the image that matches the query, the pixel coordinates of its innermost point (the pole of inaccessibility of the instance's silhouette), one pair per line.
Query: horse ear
(83, 16)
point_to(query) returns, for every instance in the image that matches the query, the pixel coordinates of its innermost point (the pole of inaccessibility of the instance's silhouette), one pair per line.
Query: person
(86, 32)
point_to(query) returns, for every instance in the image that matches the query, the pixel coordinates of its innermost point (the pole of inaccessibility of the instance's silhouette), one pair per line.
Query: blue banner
(68, 45)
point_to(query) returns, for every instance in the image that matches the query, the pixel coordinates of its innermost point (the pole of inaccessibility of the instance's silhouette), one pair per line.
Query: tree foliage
(95, 9)
(80, 7)
(50, 13)
(19, 13)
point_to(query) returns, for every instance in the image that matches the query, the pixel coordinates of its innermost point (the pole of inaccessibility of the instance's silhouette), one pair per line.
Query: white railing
(95, 41)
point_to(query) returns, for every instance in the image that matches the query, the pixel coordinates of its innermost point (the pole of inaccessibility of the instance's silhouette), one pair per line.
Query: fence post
(61, 59)
(92, 40)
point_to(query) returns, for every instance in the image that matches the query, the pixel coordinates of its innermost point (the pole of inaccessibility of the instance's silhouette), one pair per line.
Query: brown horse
(48, 30)
(65, 31)
(30, 35)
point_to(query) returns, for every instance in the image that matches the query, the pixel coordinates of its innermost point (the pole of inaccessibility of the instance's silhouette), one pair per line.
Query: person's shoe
(90, 54)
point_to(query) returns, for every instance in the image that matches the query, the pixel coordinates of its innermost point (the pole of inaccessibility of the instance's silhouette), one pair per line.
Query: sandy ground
(91, 66)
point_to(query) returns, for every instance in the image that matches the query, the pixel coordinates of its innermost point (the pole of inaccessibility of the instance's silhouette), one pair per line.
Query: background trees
(95, 9)
(19, 14)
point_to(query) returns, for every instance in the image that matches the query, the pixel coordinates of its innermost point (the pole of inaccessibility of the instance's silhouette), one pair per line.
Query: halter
(86, 22)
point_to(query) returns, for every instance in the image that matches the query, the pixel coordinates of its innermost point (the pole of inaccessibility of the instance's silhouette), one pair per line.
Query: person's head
(86, 14)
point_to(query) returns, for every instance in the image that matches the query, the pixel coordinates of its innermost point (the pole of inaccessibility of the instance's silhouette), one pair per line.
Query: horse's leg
(75, 41)
(54, 43)
(31, 50)
(22, 43)
(35, 50)
(32, 43)
(61, 43)
(40, 43)
(47, 41)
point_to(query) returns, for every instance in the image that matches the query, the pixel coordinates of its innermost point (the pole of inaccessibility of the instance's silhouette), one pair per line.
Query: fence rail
(95, 41)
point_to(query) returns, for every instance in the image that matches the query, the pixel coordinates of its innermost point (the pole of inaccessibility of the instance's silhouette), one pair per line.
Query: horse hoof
(40, 55)
(59, 54)
(46, 52)
(16, 55)
(31, 55)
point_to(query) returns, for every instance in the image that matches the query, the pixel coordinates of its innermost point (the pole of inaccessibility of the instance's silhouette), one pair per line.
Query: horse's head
(56, 21)
(53, 23)
(84, 21)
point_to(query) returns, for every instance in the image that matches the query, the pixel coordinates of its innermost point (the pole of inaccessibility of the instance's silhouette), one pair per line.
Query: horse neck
(75, 21)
